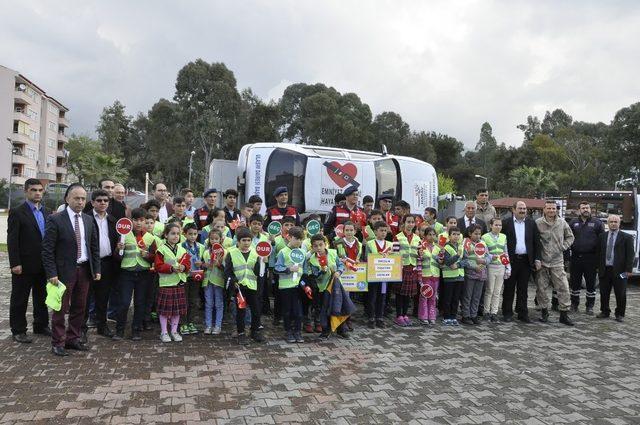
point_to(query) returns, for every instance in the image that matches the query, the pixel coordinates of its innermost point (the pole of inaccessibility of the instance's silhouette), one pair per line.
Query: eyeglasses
(102, 201)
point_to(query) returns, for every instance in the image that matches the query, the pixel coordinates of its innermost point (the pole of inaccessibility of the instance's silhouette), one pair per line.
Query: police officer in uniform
(586, 231)
(340, 214)
(282, 208)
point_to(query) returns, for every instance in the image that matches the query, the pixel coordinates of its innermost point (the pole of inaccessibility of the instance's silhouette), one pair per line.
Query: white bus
(315, 174)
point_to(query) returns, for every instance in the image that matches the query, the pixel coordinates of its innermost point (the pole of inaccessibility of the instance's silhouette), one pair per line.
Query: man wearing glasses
(109, 244)
(161, 194)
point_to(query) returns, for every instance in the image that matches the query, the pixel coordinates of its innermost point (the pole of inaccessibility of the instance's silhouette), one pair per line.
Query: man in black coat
(615, 263)
(521, 233)
(25, 231)
(470, 218)
(71, 255)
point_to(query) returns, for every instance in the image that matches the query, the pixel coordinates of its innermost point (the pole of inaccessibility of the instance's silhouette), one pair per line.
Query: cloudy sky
(444, 66)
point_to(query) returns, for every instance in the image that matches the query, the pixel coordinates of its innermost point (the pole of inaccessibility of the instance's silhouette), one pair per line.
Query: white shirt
(521, 245)
(103, 233)
(163, 215)
(84, 256)
(469, 221)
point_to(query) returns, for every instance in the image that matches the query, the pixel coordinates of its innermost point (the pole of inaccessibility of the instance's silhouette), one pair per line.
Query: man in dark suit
(470, 218)
(615, 262)
(108, 239)
(71, 255)
(24, 242)
(522, 233)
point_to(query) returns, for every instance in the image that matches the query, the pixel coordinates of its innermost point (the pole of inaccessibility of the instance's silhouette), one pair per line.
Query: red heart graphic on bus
(342, 175)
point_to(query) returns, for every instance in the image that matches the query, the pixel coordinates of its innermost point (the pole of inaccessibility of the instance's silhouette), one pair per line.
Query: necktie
(76, 229)
(610, 247)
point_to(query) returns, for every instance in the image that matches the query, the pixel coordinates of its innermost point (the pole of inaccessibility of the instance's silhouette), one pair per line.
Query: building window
(31, 153)
(31, 172)
(32, 114)
(33, 135)
(52, 126)
(50, 161)
(53, 109)
(51, 143)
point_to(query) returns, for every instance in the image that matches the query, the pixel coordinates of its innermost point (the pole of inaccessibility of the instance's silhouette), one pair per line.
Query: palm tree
(532, 181)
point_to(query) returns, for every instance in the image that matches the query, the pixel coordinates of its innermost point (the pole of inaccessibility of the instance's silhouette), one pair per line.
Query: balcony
(21, 138)
(22, 97)
(61, 170)
(60, 153)
(62, 137)
(63, 122)
(21, 116)
(46, 176)
(20, 158)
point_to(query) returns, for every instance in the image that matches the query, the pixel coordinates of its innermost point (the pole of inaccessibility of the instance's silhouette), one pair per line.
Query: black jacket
(586, 234)
(530, 237)
(59, 246)
(24, 240)
(623, 253)
(114, 236)
(463, 227)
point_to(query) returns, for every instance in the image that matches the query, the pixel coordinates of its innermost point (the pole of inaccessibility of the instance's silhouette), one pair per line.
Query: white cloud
(444, 66)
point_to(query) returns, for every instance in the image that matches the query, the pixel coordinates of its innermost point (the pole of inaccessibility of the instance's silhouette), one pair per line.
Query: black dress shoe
(524, 319)
(59, 351)
(43, 331)
(106, 332)
(83, 337)
(76, 345)
(620, 319)
(602, 315)
(22, 338)
(507, 319)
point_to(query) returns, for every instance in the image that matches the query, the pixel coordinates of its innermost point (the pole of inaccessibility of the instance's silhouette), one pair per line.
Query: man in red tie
(71, 255)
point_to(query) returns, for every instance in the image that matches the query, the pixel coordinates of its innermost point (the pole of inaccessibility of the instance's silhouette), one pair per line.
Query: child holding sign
(192, 288)
(430, 276)
(279, 242)
(213, 282)
(350, 251)
(322, 265)
(475, 260)
(289, 293)
(452, 277)
(409, 243)
(498, 270)
(172, 264)
(241, 268)
(376, 295)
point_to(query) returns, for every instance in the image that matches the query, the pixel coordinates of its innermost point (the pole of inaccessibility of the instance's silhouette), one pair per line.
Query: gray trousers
(471, 297)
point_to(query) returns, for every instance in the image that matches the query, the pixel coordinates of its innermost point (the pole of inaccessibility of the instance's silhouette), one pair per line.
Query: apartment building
(33, 126)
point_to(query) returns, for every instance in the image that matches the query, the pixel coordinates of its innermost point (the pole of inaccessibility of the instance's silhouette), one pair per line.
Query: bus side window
(388, 179)
(286, 168)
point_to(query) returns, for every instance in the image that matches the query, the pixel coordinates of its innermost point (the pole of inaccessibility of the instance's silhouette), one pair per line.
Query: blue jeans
(132, 284)
(213, 299)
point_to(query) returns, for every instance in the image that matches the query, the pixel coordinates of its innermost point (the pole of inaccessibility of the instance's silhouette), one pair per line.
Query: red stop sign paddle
(340, 230)
(217, 251)
(426, 291)
(124, 226)
(263, 249)
(480, 250)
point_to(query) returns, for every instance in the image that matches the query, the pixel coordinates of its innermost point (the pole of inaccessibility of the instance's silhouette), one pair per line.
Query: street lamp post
(13, 150)
(486, 180)
(190, 166)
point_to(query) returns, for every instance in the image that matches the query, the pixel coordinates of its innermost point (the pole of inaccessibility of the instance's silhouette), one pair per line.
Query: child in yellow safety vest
(278, 242)
(430, 275)
(452, 277)
(289, 291)
(409, 243)
(213, 284)
(377, 290)
(323, 265)
(241, 269)
(192, 288)
(499, 268)
(172, 264)
(349, 251)
(255, 222)
(475, 260)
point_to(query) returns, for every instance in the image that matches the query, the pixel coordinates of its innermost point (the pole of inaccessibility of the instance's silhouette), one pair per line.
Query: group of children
(171, 267)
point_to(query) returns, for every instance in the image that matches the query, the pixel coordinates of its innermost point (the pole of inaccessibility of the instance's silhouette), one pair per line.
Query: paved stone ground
(508, 373)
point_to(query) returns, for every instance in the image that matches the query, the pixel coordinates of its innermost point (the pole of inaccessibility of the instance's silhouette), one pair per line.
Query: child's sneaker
(207, 331)
(308, 328)
(446, 322)
(467, 321)
(216, 330)
(176, 337)
(299, 338)
(407, 321)
(425, 322)
(192, 328)
(290, 338)
(454, 322)
(165, 338)
(399, 321)
(184, 329)
(432, 321)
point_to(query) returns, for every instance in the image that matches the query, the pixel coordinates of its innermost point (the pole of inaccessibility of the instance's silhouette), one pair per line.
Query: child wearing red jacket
(172, 264)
